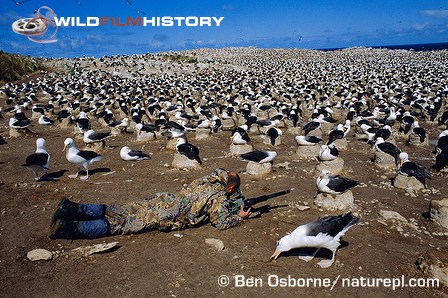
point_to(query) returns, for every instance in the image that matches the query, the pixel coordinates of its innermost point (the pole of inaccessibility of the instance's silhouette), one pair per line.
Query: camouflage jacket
(203, 199)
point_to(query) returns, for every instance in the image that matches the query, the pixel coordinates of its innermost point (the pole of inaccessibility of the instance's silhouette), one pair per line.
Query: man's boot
(68, 210)
(64, 229)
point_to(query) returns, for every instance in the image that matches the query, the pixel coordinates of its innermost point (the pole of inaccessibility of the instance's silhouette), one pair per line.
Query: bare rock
(438, 210)
(402, 136)
(180, 161)
(288, 123)
(115, 131)
(282, 124)
(410, 183)
(20, 133)
(240, 120)
(384, 161)
(337, 113)
(102, 122)
(237, 150)
(215, 243)
(159, 135)
(228, 124)
(295, 131)
(434, 264)
(267, 140)
(414, 140)
(122, 114)
(359, 135)
(145, 136)
(303, 207)
(202, 133)
(39, 254)
(171, 144)
(341, 144)
(335, 167)
(132, 125)
(96, 146)
(326, 127)
(392, 215)
(254, 130)
(308, 151)
(284, 165)
(92, 249)
(66, 123)
(257, 169)
(343, 201)
(76, 130)
(262, 114)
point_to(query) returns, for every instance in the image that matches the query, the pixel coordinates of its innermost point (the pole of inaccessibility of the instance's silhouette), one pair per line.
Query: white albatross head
(68, 143)
(41, 146)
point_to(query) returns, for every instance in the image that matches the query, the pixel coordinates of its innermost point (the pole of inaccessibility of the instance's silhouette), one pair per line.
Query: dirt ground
(160, 264)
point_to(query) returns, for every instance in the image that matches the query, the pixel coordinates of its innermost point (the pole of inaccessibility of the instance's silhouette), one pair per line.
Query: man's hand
(245, 214)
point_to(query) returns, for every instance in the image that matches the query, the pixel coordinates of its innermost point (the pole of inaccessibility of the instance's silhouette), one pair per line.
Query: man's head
(233, 182)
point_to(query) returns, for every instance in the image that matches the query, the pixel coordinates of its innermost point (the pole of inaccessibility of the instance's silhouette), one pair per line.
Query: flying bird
(81, 158)
(324, 232)
(20, 2)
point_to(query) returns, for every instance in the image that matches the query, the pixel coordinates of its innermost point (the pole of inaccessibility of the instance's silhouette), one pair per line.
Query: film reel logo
(39, 29)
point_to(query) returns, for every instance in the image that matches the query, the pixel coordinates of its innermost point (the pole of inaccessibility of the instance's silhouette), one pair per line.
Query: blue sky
(314, 24)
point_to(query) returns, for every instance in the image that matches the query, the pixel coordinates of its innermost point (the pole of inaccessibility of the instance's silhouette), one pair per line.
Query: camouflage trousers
(158, 212)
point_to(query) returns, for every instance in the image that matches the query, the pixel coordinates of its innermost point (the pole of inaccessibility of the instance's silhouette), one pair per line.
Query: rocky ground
(181, 263)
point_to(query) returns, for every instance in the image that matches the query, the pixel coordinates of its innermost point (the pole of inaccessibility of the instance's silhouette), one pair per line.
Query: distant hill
(415, 47)
(14, 66)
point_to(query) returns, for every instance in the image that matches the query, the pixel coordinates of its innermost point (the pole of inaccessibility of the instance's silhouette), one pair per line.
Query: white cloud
(419, 27)
(435, 13)
(155, 44)
(195, 43)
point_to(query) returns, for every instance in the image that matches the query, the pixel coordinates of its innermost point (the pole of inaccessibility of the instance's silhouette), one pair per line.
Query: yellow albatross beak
(276, 254)
(65, 146)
